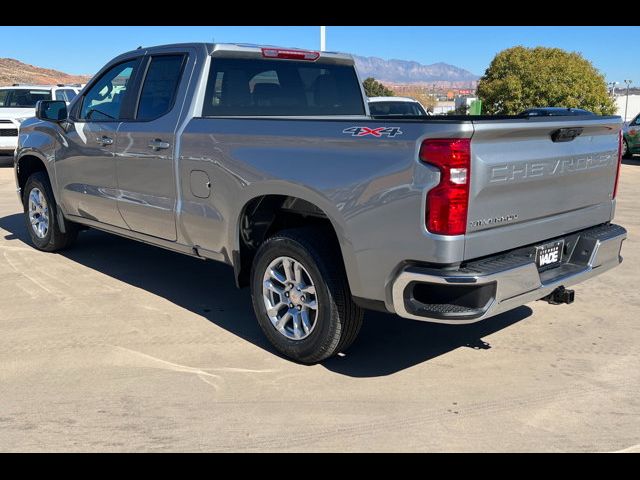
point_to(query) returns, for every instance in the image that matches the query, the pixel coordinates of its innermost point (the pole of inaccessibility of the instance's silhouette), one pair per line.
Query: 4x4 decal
(374, 132)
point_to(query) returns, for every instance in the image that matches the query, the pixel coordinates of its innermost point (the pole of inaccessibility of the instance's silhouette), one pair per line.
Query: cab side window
(104, 100)
(160, 86)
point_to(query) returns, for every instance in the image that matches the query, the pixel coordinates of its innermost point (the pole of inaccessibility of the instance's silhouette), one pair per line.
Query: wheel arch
(265, 213)
(26, 165)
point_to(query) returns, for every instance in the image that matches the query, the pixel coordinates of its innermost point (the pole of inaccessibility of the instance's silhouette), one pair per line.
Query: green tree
(373, 88)
(519, 78)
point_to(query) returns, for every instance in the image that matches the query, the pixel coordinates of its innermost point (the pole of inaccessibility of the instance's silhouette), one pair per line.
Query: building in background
(464, 101)
(442, 107)
(632, 109)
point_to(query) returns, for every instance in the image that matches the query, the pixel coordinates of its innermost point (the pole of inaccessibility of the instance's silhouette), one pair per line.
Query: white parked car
(395, 106)
(18, 102)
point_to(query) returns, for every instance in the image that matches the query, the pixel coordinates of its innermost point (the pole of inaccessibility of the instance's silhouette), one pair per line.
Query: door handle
(104, 140)
(158, 144)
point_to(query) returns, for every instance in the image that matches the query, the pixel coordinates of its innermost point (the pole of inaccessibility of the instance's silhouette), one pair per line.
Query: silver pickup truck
(267, 159)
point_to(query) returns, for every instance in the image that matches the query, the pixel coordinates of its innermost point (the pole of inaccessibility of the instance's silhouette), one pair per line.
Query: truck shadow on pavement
(631, 161)
(386, 344)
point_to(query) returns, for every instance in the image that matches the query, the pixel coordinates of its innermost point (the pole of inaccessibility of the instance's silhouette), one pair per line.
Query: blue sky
(86, 49)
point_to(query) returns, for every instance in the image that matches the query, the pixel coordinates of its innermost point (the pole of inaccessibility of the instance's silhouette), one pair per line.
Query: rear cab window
(253, 87)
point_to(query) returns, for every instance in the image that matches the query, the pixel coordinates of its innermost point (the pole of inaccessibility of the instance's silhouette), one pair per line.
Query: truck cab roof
(246, 50)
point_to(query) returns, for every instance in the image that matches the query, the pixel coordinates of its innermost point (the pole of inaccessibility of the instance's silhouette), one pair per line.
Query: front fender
(39, 140)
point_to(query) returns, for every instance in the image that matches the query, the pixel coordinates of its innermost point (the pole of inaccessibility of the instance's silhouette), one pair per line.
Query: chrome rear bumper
(510, 279)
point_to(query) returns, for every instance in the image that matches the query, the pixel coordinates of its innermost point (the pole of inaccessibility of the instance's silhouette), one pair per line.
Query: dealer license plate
(549, 254)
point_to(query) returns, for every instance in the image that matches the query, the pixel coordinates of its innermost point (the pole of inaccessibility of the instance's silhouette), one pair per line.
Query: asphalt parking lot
(118, 346)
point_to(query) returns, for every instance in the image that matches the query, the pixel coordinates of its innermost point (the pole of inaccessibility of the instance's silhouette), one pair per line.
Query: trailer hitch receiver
(560, 295)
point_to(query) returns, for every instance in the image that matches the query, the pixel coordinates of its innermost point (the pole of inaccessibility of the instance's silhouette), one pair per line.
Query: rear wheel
(626, 152)
(301, 296)
(41, 217)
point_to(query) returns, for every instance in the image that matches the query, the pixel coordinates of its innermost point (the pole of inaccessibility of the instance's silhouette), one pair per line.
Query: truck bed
(374, 188)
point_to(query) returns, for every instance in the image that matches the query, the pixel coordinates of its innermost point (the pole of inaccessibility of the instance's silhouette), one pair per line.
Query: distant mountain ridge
(388, 71)
(14, 71)
(405, 71)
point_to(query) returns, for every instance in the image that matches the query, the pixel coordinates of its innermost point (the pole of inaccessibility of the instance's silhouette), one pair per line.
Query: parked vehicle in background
(555, 112)
(18, 103)
(395, 106)
(631, 139)
(269, 160)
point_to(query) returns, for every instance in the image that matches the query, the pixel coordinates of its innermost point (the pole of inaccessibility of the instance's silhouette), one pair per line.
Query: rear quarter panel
(371, 188)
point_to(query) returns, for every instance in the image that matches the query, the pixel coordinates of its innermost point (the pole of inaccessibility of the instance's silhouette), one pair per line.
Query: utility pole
(626, 102)
(323, 39)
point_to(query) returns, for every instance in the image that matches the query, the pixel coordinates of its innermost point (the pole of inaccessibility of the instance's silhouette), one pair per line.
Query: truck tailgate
(530, 181)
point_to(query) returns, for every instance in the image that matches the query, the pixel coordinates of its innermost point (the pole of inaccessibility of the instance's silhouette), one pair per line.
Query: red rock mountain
(13, 71)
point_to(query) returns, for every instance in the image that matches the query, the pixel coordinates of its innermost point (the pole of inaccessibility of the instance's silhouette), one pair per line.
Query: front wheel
(301, 296)
(41, 218)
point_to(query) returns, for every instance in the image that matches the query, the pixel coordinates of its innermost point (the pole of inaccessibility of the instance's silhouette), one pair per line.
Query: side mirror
(52, 110)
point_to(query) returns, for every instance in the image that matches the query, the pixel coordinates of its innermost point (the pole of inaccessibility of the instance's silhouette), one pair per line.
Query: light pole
(613, 88)
(626, 102)
(323, 39)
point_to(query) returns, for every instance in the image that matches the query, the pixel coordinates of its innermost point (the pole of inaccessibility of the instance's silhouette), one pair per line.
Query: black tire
(338, 319)
(54, 239)
(626, 151)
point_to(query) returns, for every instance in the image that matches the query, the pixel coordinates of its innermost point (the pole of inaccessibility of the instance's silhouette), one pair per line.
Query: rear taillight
(615, 185)
(448, 202)
(290, 54)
